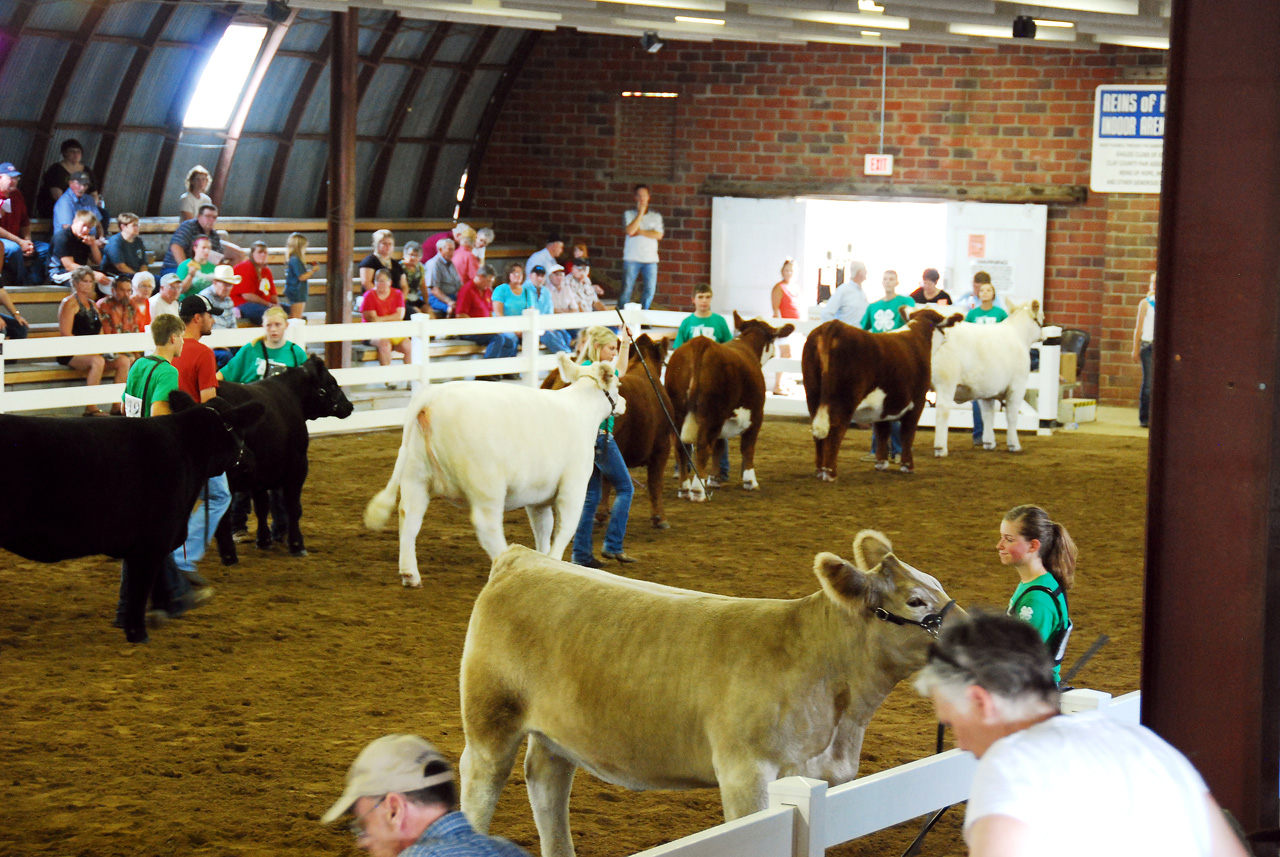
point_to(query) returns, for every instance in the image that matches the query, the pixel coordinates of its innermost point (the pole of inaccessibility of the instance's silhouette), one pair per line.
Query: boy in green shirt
(703, 322)
(154, 377)
(886, 315)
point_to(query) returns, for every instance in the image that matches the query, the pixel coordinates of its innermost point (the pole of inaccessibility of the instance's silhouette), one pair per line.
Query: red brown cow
(877, 378)
(718, 392)
(642, 433)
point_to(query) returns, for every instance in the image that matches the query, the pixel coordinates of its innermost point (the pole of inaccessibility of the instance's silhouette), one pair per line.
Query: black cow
(120, 487)
(277, 446)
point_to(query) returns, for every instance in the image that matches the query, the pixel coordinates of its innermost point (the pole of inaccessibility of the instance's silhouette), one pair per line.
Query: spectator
(384, 303)
(431, 246)
(540, 294)
(883, 316)
(1053, 784)
(196, 274)
(484, 237)
(402, 800)
(463, 257)
(929, 292)
(74, 247)
(78, 316)
(1043, 554)
(1144, 340)
(441, 280)
(578, 252)
(57, 177)
(143, 283)
(117, 312)
(549, 256)
(982, 310)
(77, 198)
(849, 303)
(25, 261)
(205, 223)
(475, 300)
(13, 325)
(515, 296)
(166, 300)
(219, 296)
(785, 305)
(189, 203)
(296, 274)
(414, 274)
(267, 355)
(602, 345)
(384, 244)
(256, 292)
(970, 301)
(563, 296)
(704, 322)
(588, 293)
(125, 254)
(640, 250)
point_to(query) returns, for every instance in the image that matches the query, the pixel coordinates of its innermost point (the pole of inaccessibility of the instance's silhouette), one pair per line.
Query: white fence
(805, 817)
(422, 369)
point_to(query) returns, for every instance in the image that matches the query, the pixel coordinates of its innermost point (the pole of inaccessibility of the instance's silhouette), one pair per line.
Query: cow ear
(244, 416)
(1035, 311)
(846, 585)
(870, 547)
(180, 401)
(785, 331)
(951, 321)
(569, 370)
(737, 320)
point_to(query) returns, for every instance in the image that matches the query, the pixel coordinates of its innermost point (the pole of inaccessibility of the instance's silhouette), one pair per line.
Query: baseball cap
(195, 304)
(582, 262)
(169, 278)
(537, 269)
(79, 176)
(392, 763)
(553, 237)
(226, 274)
(555, 268)
(8, 169)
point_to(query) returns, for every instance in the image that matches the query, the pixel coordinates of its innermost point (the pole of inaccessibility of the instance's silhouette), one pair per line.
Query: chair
(1075, 342)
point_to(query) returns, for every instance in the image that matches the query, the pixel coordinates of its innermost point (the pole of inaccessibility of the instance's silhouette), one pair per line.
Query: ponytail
(1057, 548)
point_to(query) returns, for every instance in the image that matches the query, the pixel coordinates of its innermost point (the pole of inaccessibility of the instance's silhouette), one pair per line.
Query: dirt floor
(230, 733)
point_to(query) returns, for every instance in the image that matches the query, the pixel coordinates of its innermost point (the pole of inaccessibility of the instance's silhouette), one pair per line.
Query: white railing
(805, 817)
(423, 369)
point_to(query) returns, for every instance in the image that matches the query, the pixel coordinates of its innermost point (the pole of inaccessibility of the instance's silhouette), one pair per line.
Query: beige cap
(392, 763)
(226, 274)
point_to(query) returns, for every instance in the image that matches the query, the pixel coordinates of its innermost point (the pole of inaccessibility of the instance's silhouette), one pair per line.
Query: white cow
(499, 447)
(984, 362)
(652, 687)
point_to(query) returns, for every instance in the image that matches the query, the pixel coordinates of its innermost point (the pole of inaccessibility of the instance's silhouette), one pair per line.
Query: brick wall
(986, 120)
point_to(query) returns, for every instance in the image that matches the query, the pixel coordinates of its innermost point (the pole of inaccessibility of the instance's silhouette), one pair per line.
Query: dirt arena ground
(230, 733)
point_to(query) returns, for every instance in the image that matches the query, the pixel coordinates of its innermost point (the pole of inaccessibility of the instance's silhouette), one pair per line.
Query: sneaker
(895, 459)
(716, 481)
(619, 557)
(241, 536)
(590, 562)
(870, 456)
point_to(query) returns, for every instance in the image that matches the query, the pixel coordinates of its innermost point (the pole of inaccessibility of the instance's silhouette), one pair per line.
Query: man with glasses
(1049, 784)
(402, 800)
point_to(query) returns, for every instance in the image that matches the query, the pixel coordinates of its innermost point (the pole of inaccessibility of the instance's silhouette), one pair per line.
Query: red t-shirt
(253, 281)
(474, 303)
(197, 368)
(394, 301)
(13, 212)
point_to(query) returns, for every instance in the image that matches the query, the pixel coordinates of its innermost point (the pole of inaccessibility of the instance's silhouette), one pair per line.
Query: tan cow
(652, 687)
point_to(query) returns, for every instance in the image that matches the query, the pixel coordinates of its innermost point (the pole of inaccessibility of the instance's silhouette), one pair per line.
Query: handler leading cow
(499, 447)
(648, 686)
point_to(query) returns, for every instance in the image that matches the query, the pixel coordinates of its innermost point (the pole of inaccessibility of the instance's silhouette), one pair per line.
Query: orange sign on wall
(977, 246)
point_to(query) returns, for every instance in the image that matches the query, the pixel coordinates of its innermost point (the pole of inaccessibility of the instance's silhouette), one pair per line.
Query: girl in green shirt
(1044, 555)
(269, 355)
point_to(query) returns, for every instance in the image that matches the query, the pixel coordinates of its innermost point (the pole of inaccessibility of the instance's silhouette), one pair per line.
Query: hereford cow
(499, 447)
(643, 433)
(985, 362)
(652, 687)
(877, 378)
(145, 476)
(278, 448)
(718, 391)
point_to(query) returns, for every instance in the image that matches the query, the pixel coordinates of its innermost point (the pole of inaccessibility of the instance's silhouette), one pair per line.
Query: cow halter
(931, 623)
(613, 403)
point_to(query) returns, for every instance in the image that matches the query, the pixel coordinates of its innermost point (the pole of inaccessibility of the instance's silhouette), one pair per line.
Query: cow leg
(569, 506)
(703, 448)
(292, 501)
(748, 447)
(942, 415)
(549, 778)
(988, 409)
(414, 500)
(139, 575)
(261, 509)
(542, 519)
(1012, 404)
(744, 786)
(682, 469)
(909, 427)
(882, 432)
(657, 465)
(487, 519)
(830, 445)
(484, 771)
(226, 541)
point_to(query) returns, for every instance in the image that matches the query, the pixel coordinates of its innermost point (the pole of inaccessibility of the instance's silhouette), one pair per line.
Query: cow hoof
(660, 524)
(1015, 449)
(750, 486)
(697, 497)
(882, 465)
(300, 552)
(264, 547)
(136, 635)
(409, 583)
(939, 452)
(231, 560)
(989, 446)
(906, 468)
(827, 475)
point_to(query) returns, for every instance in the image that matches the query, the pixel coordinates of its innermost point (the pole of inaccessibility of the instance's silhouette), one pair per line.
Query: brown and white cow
(652, 687)
(718, 392)
(643, 433)
(877, 378)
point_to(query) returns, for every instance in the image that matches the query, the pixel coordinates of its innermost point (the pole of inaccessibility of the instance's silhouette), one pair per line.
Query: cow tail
(821, 425)
(689, 431)
(378, 512)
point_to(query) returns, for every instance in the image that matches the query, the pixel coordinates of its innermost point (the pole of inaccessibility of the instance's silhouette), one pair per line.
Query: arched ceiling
(117, 76)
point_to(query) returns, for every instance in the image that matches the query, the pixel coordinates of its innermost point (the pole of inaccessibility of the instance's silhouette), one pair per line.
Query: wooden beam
(307, 88)
(1046, 194)
(341, 191)
(275, 35)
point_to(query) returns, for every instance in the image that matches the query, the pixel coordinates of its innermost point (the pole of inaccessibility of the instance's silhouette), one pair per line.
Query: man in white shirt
(1049, 784)
(546, 257)
(849, 303)
(165, 300)
(640, 250)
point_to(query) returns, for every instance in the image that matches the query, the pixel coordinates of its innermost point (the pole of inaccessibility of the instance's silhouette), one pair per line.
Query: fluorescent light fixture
(714, 22)
(1040, 22)
(1159, 43)
(870, 34)
(844, 19)
(869, 6)
(491, 8)
(223, 79)
(697, 5)
(1106, 7)
(989, 31)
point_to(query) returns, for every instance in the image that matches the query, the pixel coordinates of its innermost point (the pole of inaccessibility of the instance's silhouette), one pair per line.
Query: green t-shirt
(202, 280)
(884, 316)
(1039, 608)
(713, 325)
(151, 379)
(251, 362)
(978, 315)
(607, 425)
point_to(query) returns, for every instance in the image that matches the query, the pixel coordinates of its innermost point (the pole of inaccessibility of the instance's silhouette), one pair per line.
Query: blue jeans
(895, 438)
(556, 340)
(496, 344)
(630, 270)
(977, 422)
(1144, 394)
(216, 503)
(610, 465)
(25, 270)
(253, 312)
(13, 330)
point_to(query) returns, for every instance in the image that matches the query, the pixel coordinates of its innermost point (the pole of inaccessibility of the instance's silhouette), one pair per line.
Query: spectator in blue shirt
(77, 198)
(125, 254)
(849, 303)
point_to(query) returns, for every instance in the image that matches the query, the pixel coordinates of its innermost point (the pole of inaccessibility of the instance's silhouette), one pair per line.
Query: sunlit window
(224, 77)
(462, 193)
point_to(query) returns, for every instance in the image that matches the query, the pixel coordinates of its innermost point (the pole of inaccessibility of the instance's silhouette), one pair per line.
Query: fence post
(529, 348)
(1050, 366)
(809, 797)
(295, 331)
(633, 315)
(421, 350)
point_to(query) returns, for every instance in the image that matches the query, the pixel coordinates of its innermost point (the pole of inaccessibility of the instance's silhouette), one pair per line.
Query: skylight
(224, 77)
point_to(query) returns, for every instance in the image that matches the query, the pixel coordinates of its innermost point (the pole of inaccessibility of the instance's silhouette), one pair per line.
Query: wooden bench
(166, 225)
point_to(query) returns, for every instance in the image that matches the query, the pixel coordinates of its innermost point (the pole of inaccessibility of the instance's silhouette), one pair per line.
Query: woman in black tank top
(78, 316)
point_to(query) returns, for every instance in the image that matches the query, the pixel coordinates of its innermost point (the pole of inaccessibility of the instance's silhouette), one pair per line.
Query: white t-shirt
(190, 205)
(1088, 784)
(160, 306)
(638, 248)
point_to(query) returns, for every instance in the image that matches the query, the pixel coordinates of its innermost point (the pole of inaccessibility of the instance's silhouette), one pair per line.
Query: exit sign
(877, 165)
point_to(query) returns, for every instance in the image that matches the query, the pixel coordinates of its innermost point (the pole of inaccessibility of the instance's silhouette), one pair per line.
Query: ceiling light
(1041, 22)
(844, 19)
(714, 22)
(1159, 43)
(869, 6)
(871, 34)
(650, 42)
(1107, 7)
(990, 31)
(698, 5)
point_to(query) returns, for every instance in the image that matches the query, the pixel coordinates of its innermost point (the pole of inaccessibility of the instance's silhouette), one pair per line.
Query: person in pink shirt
(383, 303)
(464, 258)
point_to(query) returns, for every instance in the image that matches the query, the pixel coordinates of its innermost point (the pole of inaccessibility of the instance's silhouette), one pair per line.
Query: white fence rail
(423, 369)
(817, 818)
